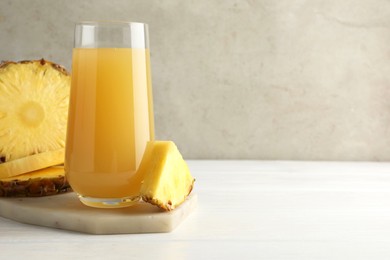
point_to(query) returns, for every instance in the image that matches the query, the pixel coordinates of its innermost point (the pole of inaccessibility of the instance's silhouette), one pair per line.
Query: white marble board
(66, 212)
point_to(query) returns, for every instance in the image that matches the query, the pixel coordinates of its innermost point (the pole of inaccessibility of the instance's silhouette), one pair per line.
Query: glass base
(109, 202)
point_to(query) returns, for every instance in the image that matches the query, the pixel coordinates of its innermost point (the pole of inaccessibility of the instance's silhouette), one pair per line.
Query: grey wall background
(265, 79)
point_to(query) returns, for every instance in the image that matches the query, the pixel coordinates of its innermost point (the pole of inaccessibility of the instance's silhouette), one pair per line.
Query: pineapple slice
(48, 181)
(32, 163)
(34, 97)
(167, 180)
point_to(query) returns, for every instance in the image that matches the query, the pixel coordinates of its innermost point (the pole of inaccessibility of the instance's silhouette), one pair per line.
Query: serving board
(65, 211)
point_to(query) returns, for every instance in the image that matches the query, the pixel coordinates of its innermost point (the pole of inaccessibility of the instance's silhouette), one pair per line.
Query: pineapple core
(167, 180)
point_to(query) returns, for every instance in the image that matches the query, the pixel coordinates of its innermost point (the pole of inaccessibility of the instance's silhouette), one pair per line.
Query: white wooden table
(247, 210)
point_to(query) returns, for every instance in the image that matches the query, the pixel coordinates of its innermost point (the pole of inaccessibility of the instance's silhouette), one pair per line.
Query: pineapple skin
(42, 61)
(36, 187)
(167, 179)
(45, 182)
(166, 205)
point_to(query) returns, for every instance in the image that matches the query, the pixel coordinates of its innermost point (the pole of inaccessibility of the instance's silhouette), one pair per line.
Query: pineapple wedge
(34, 97)
(167, 180)
(44, 182)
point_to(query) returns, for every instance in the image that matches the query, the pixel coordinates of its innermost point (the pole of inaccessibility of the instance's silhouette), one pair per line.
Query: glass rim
(109, 22)
(111, 33)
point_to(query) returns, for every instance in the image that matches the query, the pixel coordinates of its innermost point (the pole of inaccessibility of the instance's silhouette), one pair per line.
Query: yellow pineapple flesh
(32, 163)
(167, 180)
(34, 98)
(44, 182)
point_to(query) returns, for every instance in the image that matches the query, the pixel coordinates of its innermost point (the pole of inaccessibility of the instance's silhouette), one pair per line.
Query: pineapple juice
(107, 136)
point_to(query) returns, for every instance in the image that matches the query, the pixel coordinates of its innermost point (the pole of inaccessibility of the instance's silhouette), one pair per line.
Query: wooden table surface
(247, 210)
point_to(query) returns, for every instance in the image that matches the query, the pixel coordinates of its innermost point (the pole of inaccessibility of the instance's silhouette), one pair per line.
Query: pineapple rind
(44, 182)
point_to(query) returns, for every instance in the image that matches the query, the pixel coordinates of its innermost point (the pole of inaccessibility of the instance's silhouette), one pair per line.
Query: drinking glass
(110, 116)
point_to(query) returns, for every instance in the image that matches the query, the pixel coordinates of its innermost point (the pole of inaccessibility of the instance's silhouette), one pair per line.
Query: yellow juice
(110, 120)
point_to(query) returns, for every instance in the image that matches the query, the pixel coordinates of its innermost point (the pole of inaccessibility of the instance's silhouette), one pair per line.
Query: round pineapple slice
(44, 182)
(34, 97)
(31, 163)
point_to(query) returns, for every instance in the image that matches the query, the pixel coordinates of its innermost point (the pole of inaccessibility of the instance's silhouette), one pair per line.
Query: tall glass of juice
(110, 112)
